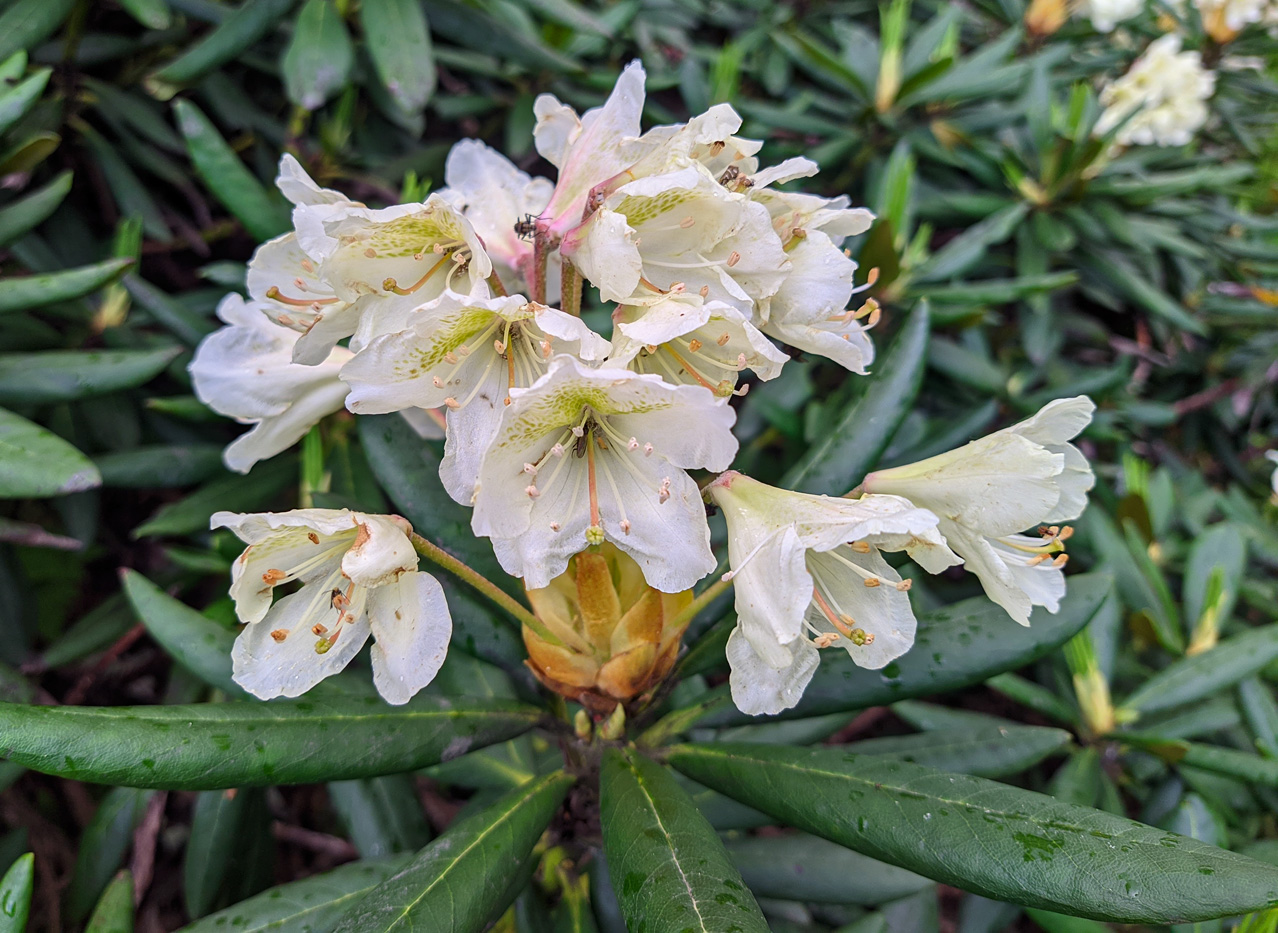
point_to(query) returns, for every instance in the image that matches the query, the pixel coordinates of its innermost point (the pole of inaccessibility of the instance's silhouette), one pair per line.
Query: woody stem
(476, 580)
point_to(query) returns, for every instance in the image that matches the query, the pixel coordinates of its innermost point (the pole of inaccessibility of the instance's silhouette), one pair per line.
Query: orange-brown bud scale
(617, 639)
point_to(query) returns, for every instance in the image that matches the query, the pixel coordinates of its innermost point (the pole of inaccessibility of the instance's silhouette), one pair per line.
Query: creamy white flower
(687, 340)
(1164, 93)
(1106, 14)
(368, 271)
(494, 196)
(808, 573)
(588, 150)
(1023, 476)
(587, 455)
(465, 352)
(679, 229)
(246, 371)
(359, 577)
(312, 205)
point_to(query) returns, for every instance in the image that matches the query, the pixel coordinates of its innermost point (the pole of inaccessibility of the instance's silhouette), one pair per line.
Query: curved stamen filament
(701, 380)
(274, 294)
(616, 494)
(592, 484)
(392, 286)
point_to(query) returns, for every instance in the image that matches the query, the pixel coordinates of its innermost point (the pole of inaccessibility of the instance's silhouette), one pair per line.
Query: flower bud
(617, 640)
(1044, 17)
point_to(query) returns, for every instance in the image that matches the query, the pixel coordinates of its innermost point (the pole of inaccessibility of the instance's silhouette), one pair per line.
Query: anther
(450, 358)
(532, 492)
(545, 349)
(557, 450)
(578, 431)
(663, 491)
(625, 525)
(272, 577)
(694, 345)
(452, 403)
(530, 468)
(319, 628)
(903, 586)
(873, 582)
(370, 253)
(705, 291)
(733, 259)
(554, 526)
(723, 339)
(825, 639)
(279, 634)
(687, 222)
(647, 450)
(1038, 559)
(437, 382)
(313, 536)
(632, 445)
(499, 347)
(1061, 560)
(861, 547)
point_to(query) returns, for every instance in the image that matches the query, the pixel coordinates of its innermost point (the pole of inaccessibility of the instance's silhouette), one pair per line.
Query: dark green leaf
(995, 840)
(160, 466)
(313, 905)
(37, 291)
(383, 815)
(985, 752)
(248, 744)
(153, 14)
(114, 913)
(28, 22)
(467, 877)
(247, 23)
(852, 446)
(15, 894)
(668, 867)
(67, 375)
(319, 57)
(966, 249)
(222, 824)
(398, 41)
(103, 845)
(799, 867)
(29, 212)
(1200, 675)
(35, 462)
(262, 212)
(261, 489)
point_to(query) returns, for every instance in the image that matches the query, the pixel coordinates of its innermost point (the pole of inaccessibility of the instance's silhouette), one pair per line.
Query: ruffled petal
(411, 626)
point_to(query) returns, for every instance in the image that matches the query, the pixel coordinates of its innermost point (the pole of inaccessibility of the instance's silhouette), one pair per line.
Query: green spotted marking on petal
(459, 328)
(640, 210)
(408, 236)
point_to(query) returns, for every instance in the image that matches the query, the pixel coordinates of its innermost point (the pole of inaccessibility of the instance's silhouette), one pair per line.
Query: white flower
(808, 309)
(588, 150)
(352, 271)
(984, 493)
(1164, 92)
(246, 371)
(359, 576)
(803, 563)
(312, 205)
(494, 196)
(465, 352)
(687, 340)
(588, 455)
(1106, 14)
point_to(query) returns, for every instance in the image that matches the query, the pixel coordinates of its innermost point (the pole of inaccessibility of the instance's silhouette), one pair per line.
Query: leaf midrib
(674, 857)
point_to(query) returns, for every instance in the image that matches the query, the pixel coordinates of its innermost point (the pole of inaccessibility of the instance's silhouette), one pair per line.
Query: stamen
(723, 339)
(274, 294)
(390, 285)
(279, 635)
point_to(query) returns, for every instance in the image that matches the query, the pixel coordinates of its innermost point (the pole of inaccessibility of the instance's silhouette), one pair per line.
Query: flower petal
(277, 656)
(380, 552)
(759, 689)
(412, 626)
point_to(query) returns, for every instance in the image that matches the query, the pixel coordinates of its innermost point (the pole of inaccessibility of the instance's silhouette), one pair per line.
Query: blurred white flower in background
(1162, 98)
(1106, 14)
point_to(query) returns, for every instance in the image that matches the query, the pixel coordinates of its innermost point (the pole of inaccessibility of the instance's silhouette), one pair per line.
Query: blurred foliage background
(138, 140)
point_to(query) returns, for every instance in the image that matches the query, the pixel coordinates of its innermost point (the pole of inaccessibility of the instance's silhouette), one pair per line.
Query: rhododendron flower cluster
(1161, 100)
(569, 444)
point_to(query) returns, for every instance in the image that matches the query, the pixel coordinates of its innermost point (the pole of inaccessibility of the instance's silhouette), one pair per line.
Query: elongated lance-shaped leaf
(998, 841)
(962, 644)
(114, 912)
(1200, 675)
(37, 291)
(986, 752)
(313, 905)
(35, 462)
(799, 867)
(66, 375)
(191, 638)
(33, 209)
(853, 445)
(248, 744)
(467, 877)
(667, 865)
(242, 27)
(15, 894)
